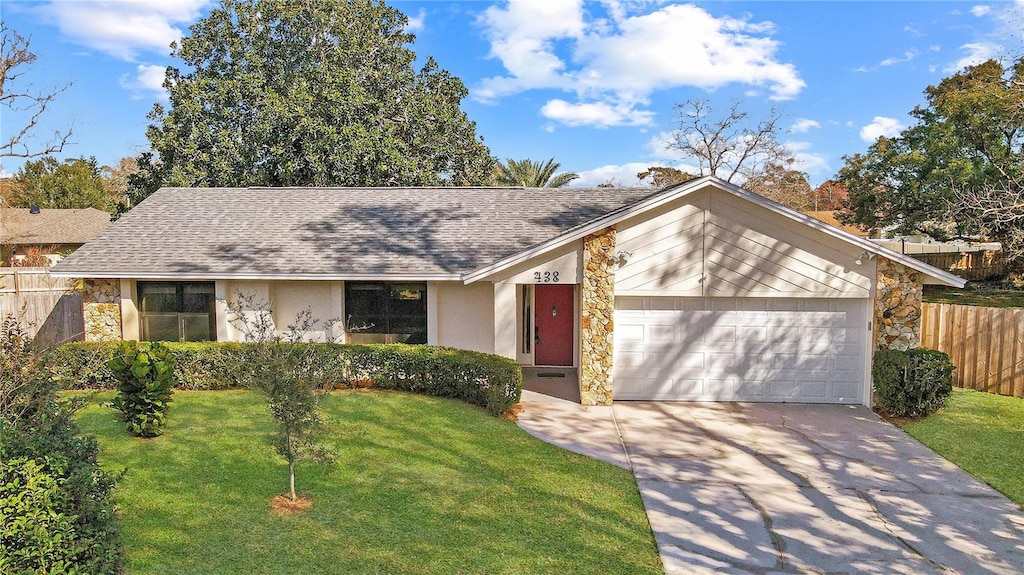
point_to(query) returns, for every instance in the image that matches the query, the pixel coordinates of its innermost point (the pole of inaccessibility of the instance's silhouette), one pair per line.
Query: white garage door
(740, 349)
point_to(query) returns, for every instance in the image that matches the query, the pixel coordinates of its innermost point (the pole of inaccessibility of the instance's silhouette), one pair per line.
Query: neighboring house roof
(829, 217)
(18, 226)
(378, 233)
(343, 233)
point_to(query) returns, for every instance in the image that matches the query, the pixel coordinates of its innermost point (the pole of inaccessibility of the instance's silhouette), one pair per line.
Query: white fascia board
(256, 277)
(597, 225)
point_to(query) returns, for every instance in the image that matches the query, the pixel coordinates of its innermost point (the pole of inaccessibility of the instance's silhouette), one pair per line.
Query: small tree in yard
(277, 366)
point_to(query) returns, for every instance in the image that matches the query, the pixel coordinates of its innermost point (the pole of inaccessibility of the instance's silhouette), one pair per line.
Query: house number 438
(545, 277)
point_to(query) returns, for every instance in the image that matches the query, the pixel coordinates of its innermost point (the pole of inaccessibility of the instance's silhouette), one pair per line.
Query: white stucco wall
(130, 326)
(286, 299)
(465, 315)
(289, 299)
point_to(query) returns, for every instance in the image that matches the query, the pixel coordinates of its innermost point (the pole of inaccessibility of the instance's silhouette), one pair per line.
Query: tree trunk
(291, 478)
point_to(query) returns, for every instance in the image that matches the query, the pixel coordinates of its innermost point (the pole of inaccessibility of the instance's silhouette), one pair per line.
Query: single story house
(700, 291)
(49, 233)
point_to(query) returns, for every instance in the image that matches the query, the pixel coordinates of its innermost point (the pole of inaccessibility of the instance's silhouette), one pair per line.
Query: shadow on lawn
(421, 485)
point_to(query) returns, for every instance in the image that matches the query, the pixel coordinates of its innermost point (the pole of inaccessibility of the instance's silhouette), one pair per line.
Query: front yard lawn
(974, 294)
(983, 433)
(421, 485)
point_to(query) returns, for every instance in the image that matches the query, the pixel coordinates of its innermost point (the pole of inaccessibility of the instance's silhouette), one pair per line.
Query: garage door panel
(847, 390)
(846, 363)
(740, 349)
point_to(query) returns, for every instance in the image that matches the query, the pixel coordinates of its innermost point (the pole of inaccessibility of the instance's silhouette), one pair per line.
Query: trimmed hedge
(489, 381)
(911, 383)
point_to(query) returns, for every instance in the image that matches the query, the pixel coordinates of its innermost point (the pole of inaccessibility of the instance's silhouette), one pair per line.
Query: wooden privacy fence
(47, 307)
(968, 265)
(986, 344)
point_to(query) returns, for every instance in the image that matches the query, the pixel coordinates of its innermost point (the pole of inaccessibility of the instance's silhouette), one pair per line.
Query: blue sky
(591, 84)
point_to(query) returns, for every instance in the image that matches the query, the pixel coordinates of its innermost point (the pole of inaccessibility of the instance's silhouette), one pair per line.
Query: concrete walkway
(790, 488)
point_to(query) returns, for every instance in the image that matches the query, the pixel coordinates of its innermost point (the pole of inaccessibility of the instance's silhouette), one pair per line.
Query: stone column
(101, 310)
(897, 306)
(597, 303)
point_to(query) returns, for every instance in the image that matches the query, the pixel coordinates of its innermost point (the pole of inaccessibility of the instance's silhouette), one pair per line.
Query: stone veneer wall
(597, 303)
(897, 306)
(102, 310)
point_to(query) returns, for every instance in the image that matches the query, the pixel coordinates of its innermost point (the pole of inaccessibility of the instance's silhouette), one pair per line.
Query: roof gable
(712, 184)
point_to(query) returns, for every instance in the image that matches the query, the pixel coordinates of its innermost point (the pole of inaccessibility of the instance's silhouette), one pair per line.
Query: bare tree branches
(997, 209)
(15, 58)
(728, 146)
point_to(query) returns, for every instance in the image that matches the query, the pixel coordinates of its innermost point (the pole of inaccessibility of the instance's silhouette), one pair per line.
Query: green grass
(983, 433)
(980, 295)
(421, 485)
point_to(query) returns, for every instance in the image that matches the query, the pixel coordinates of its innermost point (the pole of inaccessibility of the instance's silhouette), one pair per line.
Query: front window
(177, 311)
(386, 312)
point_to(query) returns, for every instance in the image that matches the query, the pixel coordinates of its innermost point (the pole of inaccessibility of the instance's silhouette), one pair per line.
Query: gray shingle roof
(332, 232)
(19, 226)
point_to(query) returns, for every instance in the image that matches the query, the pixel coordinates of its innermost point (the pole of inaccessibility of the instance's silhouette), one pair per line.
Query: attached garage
(740, 349)
(725, 299)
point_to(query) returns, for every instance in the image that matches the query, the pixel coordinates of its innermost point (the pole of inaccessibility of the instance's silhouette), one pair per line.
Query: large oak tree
(308, 93)
(957, 171)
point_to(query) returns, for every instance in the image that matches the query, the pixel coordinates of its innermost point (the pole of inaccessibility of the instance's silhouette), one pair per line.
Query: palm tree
(530, 174)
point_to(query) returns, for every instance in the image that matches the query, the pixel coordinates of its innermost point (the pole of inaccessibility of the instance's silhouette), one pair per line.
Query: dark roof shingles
(223, 232)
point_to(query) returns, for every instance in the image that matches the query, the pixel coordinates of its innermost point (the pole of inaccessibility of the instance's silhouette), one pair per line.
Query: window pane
(396, 309)
(195, 326)
(196, 298)
(158, 297)
(160, 327)
(173, 311)
(409, 312)
(365, 307)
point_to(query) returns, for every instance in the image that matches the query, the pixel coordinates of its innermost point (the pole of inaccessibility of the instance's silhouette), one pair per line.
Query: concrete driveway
(790, 488)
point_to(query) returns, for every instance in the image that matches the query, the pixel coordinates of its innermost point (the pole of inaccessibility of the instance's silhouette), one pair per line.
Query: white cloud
(125, 28)
(881, 126)
(977, 53)
(981, 10)
(814, 164)
(624, 175)
(416, 22)
(907, 56)
(619, 62)
(598, 114)
(147, 78)
(659, 146)
(803, 125)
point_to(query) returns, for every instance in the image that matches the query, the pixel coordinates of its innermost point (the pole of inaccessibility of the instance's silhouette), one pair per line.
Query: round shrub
(911, 383)
(145, 375)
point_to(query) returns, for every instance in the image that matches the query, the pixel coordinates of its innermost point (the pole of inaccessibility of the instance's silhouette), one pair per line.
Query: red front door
(553, 313)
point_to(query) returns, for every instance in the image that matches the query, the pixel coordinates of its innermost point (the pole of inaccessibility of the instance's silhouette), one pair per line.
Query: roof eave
(172, 276)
